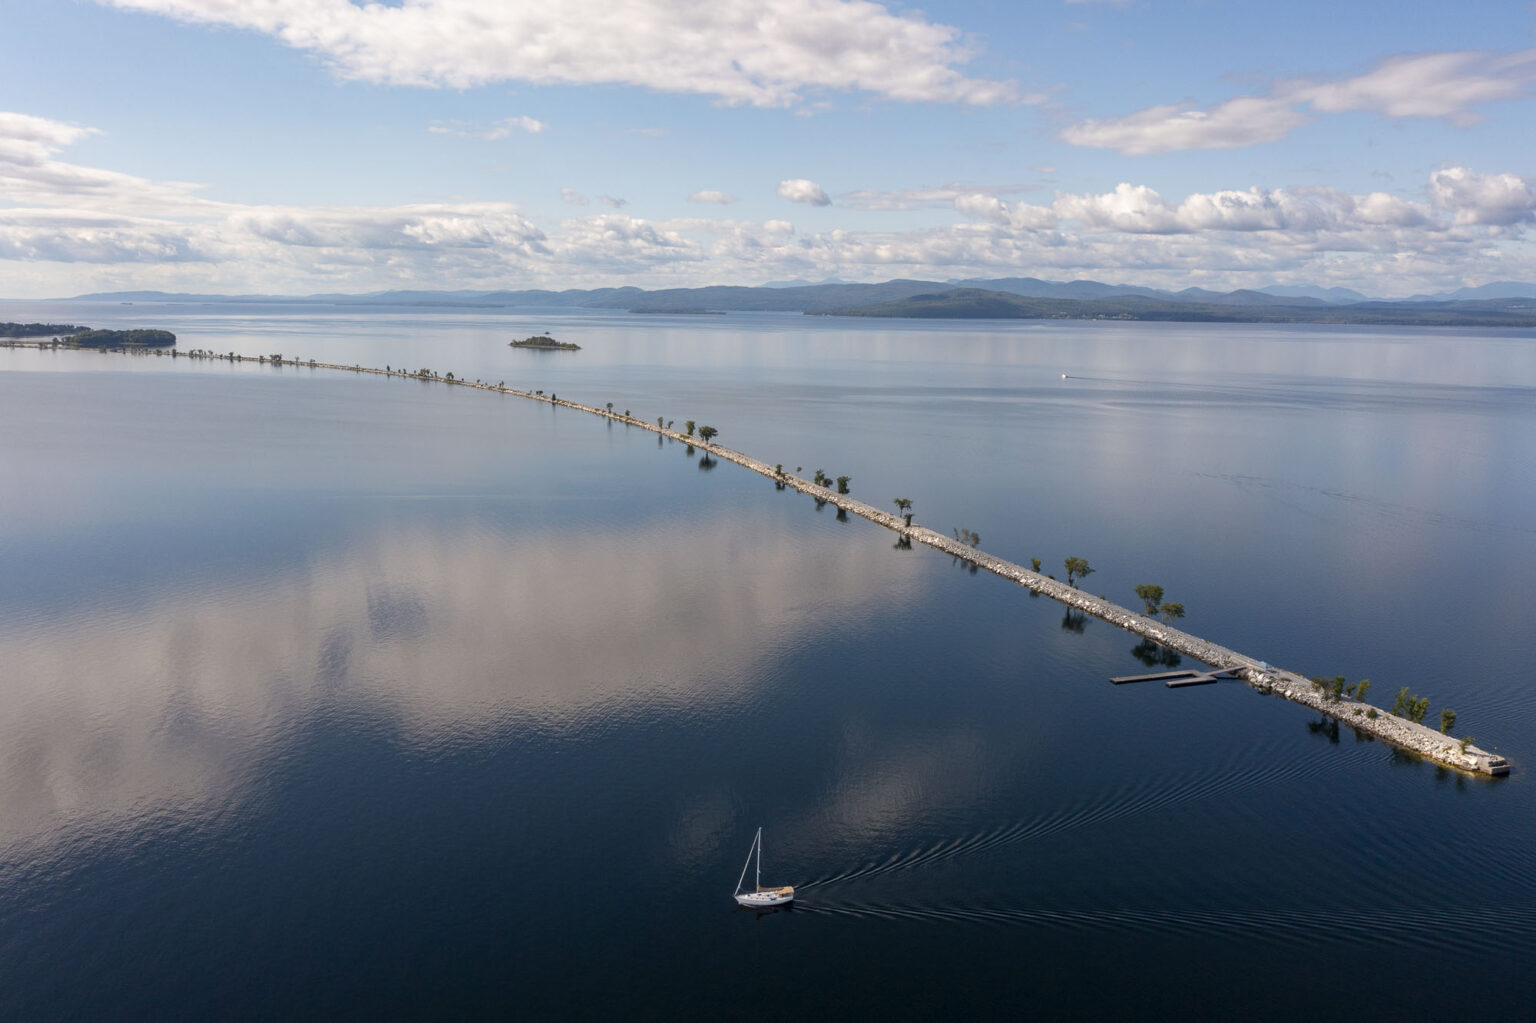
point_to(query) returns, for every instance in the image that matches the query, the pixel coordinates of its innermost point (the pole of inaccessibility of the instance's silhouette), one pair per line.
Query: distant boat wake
(1142, 796)
(1399, 925)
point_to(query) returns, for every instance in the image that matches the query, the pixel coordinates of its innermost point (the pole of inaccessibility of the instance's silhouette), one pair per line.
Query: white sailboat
(760, 897)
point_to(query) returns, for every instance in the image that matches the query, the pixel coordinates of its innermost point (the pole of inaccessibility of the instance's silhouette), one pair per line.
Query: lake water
(331, 696)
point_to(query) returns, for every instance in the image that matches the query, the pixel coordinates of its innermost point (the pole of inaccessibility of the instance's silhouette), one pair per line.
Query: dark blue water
(353, 697)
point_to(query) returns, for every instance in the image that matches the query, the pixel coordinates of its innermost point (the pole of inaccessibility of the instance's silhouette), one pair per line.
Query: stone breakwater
(1407, 735)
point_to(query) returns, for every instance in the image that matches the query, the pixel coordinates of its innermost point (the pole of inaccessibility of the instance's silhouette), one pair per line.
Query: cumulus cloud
(740, 51)
(66, 227)
(1019, 216)
(81, 237)
(614, 241)
(1499, 199)
(1431, 85)
(439, 226)
(1137, 209)
(801, 190)
(500, 130)
(710, 195)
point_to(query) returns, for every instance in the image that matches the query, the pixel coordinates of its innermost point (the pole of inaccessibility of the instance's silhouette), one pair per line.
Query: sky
(302, 146)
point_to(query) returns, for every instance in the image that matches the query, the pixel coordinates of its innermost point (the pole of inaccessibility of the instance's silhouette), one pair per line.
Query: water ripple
(1513, 928)
(1241, 771)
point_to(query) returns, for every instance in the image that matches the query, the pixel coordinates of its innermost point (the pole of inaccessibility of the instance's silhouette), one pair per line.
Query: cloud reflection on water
(442, 638)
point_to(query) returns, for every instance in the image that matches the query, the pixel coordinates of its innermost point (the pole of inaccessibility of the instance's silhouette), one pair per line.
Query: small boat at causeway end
(760, 897)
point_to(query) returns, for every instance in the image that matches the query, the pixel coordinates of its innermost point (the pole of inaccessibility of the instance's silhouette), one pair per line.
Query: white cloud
(1237, 122)
(1428, 85)
(801, 190)
(70, 228)
(438, 226)
(741, 51)
(1137, 209)
(1498, 199)
(614, 241)
(30, 175)
(63, 236)
(522, 123)
(28, 139)
(500, 130)
(710, 195)
(573, 197)
(927, 197)
(1431, 85)
(1019, 216)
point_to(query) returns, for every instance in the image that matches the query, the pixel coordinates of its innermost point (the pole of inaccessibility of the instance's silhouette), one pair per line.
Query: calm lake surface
(348, 697)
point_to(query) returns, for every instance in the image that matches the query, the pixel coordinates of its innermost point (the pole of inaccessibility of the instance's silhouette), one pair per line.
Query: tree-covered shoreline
(140, 338)
(74, 336)
(980, 303)
(39, 329)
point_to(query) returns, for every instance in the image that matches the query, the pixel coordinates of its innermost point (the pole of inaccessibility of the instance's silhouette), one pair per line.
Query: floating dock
(1180, 679)
(1188, 676)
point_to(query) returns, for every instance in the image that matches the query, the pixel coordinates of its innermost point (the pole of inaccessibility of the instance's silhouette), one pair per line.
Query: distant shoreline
(1509, 304)
(981, 304)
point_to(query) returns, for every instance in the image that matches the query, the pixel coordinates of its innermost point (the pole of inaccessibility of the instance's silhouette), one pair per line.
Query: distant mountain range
(1506, 303)
(1234, 307)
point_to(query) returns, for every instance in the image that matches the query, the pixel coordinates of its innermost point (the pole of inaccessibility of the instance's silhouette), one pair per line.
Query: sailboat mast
(747, 864)
(759, 859)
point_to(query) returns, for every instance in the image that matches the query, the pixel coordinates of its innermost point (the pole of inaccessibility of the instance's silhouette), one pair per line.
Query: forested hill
(977, 304)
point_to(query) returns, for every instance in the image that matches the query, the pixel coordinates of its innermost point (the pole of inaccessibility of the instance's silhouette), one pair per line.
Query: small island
(121, 339)
(546, 342)
(72, 336)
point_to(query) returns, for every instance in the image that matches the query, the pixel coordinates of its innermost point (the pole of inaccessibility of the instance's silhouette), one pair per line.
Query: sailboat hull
(766, 897)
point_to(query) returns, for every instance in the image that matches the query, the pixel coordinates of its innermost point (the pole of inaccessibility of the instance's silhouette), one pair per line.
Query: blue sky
(293, 146)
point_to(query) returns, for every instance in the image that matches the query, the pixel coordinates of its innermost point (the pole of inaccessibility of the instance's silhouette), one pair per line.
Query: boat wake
(1135, 798)
(1513, 927)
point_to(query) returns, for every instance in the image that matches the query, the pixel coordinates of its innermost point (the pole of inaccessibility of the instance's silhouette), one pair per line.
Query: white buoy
(1063, 376)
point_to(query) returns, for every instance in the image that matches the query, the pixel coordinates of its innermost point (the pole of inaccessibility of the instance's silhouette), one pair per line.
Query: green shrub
(1406, 705)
